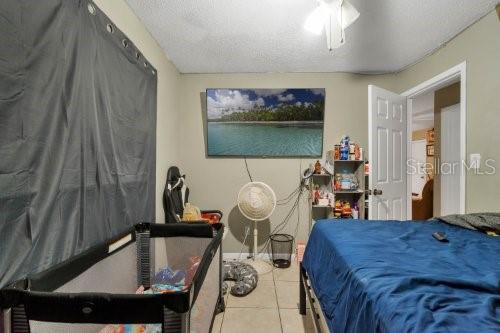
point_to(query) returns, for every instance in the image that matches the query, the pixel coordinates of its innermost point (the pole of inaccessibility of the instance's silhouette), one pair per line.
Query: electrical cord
(289, 198)
(247, 231)
(248, 170)
(294, 196)
(284, 223)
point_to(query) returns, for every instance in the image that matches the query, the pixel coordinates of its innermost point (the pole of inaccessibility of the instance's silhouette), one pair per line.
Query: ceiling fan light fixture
(315, 22)
(334, 16)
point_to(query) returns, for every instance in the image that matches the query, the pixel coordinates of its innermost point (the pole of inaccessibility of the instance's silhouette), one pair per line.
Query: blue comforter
(391, 276)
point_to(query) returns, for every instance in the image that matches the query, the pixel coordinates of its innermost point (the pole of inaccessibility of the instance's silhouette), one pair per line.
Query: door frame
(457, 73)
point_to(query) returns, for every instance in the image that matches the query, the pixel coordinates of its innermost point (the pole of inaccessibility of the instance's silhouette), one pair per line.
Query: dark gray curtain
(77, 133)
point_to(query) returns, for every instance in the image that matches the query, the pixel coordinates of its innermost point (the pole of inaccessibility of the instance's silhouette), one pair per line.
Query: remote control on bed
(440, 236)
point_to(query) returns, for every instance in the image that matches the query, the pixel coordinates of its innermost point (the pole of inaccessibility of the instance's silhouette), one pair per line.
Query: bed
(393, 276)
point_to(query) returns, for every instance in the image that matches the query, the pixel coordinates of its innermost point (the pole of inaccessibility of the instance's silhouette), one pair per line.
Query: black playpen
(66, 298)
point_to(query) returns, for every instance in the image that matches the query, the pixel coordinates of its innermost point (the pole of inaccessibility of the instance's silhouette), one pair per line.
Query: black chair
(175, 197)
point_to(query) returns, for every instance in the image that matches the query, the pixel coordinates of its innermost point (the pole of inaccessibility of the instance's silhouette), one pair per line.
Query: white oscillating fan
(257, 201)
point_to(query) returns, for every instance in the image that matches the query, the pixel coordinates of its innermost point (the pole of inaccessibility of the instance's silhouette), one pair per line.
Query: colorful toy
(317, 168)
(337, 210)
(316, 195)
(163, 288)
(168, 276)
(346, 210)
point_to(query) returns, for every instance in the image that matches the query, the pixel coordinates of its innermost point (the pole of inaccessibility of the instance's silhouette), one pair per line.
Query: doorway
(390, 129)
(445, 144)
(421, 156)
(435, 142)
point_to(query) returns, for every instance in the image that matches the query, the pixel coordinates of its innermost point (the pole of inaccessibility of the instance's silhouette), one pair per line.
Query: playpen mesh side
(203, 308)
(120, 273)
(168, 253)
(115, 274)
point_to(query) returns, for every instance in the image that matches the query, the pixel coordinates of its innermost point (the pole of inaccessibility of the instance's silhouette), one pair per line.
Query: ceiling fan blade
(349, 14)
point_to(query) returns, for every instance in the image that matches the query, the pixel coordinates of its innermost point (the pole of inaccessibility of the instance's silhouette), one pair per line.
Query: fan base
(261, 266)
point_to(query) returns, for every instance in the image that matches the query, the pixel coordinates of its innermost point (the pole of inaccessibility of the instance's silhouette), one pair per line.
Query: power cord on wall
(248, 170)
(295, 195)
(247, 231)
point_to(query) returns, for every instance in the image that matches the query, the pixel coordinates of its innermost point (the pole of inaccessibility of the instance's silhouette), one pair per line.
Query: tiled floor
(271, 308)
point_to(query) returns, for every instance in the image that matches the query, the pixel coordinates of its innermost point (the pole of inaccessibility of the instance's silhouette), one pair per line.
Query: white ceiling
(227, 36)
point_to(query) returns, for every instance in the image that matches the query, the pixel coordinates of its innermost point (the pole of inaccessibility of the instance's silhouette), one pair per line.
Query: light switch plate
(475, 161)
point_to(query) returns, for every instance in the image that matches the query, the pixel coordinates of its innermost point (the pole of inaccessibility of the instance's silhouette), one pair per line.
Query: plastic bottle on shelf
(355, 211)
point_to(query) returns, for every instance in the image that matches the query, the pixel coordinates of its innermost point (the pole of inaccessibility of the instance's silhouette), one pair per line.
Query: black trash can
(281, 248)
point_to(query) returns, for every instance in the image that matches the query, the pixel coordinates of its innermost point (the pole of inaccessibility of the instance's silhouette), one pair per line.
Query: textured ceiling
(227, 36)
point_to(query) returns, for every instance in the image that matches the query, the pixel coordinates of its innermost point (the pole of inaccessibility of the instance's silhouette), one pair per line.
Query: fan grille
(256, 201)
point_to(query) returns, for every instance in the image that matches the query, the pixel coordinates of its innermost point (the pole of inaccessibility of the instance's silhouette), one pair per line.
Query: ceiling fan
(334, 16)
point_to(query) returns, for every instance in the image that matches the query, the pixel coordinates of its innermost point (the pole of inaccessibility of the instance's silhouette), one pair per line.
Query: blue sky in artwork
(228, 101)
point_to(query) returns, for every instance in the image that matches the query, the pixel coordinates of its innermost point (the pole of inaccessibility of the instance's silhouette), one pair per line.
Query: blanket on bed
(476, 221)
(391, 276)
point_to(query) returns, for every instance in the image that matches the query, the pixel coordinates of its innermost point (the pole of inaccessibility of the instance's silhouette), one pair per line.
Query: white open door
(387, 154)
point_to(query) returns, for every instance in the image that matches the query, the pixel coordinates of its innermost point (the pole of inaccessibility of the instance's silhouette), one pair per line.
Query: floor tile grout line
(222, 321)
(277, 303)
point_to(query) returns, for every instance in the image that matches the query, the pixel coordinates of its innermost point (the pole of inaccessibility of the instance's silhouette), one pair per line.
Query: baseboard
(231, 256)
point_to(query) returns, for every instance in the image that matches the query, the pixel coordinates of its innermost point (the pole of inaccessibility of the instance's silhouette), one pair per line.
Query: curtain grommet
(91, 8)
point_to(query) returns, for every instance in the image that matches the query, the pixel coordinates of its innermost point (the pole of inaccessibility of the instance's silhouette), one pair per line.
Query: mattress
(392, 276)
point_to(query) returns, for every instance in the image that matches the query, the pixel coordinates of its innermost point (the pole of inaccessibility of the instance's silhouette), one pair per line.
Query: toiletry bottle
(355, 211)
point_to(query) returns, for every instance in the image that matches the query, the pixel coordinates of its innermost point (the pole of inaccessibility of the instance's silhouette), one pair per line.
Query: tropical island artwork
(265, 122)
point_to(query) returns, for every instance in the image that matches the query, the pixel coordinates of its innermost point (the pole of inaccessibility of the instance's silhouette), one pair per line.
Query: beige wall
(215, 182)
(168, 82)
(479, 45)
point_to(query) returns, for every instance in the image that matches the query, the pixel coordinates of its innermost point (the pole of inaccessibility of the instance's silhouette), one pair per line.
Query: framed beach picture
(265, 122)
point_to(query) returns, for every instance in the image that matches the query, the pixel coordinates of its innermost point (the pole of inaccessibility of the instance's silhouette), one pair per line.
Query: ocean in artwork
(265, 122)
(268, 139)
